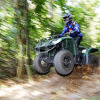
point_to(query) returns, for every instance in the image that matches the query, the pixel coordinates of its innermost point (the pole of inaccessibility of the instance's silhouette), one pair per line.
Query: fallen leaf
(86, 77)
(78, 67)
(83, 99)
(53, 92)
(99, 68)
(98, 81)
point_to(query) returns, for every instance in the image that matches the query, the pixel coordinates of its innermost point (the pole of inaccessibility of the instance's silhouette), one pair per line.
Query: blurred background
(24, 22)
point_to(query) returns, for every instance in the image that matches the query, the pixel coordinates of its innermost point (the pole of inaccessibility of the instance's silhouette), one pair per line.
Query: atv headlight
(56, 41)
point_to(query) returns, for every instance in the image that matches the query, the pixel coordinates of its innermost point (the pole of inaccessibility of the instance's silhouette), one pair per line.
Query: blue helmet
(69, 16)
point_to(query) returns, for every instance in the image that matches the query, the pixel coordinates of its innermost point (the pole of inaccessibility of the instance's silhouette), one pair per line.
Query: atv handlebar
(53, 37)
(56, 36)
(67, 33)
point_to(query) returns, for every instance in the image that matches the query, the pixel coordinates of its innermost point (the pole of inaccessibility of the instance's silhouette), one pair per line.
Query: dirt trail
(82, 83)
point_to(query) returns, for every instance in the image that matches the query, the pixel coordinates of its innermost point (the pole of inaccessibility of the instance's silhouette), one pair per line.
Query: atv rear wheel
(64, 62)
(40, 65)
(93, 61)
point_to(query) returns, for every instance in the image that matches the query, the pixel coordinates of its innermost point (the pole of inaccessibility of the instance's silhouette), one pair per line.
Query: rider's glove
(57, 36)
(60, 35)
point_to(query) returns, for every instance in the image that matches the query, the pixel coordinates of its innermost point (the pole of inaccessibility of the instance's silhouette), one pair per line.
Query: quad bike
(61, 52)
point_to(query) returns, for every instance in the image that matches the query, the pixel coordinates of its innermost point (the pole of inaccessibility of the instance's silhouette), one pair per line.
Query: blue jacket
(74, 27)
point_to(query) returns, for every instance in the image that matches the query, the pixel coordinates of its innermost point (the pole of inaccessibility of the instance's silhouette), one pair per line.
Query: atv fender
(91, 50)
(85, 60)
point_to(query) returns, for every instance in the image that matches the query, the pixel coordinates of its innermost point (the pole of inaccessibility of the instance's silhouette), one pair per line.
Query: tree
(22, 23)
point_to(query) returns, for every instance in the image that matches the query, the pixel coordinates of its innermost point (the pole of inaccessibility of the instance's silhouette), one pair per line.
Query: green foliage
(45, 18)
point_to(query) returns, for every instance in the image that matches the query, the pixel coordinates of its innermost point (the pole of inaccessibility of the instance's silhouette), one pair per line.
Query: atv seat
(81, 48)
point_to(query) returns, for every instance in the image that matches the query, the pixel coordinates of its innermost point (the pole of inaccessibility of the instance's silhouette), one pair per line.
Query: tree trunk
(22, 23)
(27, 58)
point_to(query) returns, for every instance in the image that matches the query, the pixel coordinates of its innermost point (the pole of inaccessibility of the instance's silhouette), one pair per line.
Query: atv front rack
(49, 38)
(45, 49)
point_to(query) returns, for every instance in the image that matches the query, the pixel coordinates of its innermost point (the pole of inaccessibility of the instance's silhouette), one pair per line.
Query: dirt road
(82, 84)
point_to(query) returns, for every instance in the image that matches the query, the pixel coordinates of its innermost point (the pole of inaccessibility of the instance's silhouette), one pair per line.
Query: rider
(73, 30)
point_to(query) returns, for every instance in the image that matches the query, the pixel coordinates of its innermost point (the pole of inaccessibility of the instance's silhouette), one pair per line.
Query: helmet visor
(66, 18)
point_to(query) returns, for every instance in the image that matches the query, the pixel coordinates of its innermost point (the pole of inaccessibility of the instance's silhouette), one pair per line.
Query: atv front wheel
(64, 62)
(40, 65)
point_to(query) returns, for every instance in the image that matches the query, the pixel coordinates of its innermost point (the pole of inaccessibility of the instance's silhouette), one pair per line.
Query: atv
(61, 52)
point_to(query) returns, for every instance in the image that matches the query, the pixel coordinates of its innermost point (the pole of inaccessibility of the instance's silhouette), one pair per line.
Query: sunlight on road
(36, 93)
(76, 86)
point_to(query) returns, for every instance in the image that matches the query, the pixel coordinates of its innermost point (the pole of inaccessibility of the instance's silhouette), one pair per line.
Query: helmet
(69, 16)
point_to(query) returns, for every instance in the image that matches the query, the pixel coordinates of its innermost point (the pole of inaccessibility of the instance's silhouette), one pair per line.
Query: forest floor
(82, 84)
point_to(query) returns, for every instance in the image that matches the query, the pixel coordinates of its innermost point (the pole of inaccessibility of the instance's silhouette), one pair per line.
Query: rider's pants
(78, 40)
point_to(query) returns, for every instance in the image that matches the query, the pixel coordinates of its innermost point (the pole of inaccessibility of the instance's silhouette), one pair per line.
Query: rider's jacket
(72, 27)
